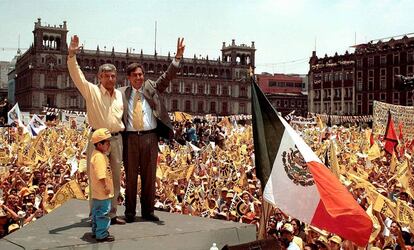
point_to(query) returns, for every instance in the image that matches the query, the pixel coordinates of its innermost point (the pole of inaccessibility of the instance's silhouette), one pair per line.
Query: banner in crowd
(401, 115)
(339, 119)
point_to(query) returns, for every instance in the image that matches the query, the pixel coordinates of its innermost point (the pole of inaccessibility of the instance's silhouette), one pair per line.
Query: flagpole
(266, 207)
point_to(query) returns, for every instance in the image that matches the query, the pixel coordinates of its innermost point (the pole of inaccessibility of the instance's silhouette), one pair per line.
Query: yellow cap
(287, 227)
(100, 135)
(336, 239)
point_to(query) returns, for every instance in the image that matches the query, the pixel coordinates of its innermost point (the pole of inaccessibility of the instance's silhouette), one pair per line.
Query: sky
(285, 32)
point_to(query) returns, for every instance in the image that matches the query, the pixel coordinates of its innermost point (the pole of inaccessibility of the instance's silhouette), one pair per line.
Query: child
(102, 185)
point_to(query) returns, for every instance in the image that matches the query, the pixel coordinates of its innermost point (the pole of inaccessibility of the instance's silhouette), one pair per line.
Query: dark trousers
(140, 157)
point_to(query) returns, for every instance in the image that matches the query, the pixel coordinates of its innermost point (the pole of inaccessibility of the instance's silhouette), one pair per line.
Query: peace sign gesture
(180, 48)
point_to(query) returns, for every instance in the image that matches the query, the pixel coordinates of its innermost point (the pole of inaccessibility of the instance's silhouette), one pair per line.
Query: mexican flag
(295, 180)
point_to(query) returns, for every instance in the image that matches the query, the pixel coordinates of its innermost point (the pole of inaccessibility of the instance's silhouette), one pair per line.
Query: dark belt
(112, 134)
(143, 132)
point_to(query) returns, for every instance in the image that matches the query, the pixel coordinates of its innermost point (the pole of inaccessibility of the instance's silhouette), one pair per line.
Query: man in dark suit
(146, 119)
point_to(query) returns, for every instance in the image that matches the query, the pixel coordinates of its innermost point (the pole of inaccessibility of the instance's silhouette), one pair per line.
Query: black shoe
(129, 219)
(108, 238)
(117, 220)
(150, 217)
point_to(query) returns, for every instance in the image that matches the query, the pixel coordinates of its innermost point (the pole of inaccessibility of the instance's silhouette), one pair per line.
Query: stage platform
(66, 228)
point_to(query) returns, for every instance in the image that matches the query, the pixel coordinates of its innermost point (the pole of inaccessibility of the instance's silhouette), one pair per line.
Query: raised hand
(180, 48)
(74, 46)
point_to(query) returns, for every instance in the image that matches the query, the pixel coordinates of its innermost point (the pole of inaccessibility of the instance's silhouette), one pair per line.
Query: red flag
(390, 137)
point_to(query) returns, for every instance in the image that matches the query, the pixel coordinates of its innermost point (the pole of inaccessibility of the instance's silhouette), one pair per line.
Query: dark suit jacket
(152, 91)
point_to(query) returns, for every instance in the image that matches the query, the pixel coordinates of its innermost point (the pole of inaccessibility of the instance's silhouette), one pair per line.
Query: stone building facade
(348, 84)
(202, 86)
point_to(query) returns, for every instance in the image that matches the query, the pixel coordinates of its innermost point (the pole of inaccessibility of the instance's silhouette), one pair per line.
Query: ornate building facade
(285, 92)
(348, 84)
(202, 86)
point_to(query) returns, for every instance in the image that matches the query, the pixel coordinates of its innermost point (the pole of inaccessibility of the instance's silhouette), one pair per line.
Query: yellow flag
(374, 152)
(393, 163)
(225, 122)
(405, 178)
(190, 171)
(321, 125)
(376, 226)
(333, 160)
(405, 214)
(70, 190)
(385, 206)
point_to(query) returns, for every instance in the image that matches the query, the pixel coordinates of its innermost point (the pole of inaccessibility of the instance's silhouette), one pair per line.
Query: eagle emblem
(296, 168)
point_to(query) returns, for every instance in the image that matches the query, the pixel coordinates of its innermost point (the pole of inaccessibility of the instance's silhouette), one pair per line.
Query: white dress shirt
(150, 121)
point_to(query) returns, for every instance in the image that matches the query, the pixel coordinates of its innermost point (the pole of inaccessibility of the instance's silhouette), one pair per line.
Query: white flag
(14, 115)
(36, 125)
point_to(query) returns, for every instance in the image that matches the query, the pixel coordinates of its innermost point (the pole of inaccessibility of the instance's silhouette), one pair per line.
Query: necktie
(137, 116)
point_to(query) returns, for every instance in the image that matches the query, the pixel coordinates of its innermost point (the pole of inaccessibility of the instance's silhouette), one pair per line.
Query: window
(50, 100)
(242, 108)
(383, 97)
(396, 71)
(174, 105)
(383, 78)
(175, 87)
(224, 108)
(359, 84)
(188, 87)
(410, 70)
(225, 91)
(370, 96)
(409, 98)
(396, 58)
(213, 90)
(370, 107)
(73, 101)
(278, 103)
(410, 56)
(243, 91)
(370, 61)
(212, 107)
(200, 89)
(359, 63)
(187, 106)
(337, 93)
(383, 60)
(200, 107)
(371, 79)
(396, 98)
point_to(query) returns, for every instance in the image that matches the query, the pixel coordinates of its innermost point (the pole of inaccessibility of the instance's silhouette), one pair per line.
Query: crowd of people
(208, 170)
